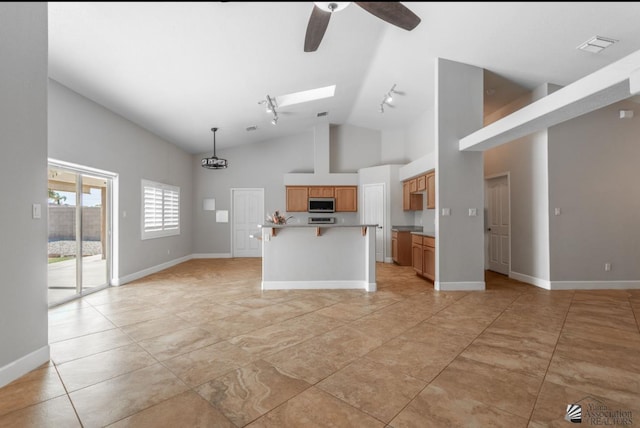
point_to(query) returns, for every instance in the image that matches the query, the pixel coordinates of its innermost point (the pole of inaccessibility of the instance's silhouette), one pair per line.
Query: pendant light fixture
(213, 162)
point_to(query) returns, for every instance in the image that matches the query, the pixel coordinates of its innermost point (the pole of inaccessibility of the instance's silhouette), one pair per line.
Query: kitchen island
(327, 256)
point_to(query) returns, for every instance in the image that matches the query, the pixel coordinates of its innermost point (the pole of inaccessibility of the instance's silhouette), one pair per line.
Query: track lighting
(388, 98)
(270, 107)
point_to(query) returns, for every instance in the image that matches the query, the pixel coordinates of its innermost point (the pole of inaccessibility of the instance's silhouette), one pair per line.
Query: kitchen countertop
(406, 228)
(428, 234)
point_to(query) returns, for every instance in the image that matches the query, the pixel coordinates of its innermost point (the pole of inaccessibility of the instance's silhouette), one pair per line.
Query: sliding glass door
(79, 227)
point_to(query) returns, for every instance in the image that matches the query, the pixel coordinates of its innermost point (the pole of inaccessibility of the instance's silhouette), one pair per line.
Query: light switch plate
(473, 212)
(557, 211)
(36, 211)
(446, 212)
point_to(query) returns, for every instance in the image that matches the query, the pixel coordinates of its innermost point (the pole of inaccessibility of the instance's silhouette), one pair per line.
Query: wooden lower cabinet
(423, 254)
(401, 247)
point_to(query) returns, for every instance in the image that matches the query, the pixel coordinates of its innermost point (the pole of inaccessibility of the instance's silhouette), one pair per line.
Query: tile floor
(199, 345)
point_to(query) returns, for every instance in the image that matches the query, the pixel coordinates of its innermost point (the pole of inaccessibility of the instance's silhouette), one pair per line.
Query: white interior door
(373, 213)
(498, 224)
(247, 213)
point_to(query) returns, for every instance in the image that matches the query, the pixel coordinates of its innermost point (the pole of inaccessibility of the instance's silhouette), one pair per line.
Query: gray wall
(593, 177)
(459, 177)
(23, 135)
(353, 147)
(526, 161)
(259, 165)
(83, 132)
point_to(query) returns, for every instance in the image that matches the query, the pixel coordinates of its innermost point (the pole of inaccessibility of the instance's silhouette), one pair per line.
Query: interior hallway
(199, 344)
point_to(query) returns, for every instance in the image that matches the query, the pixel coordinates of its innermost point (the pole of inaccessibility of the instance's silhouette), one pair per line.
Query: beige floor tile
(315, 408)
(178, 342)
(251, 391)
(72, 349)
(507, 390)
(418, 359)
(38, 385)
(550, 410)
(323, 355)
(599, 352)
(155, 327)
(203, 313)
(373, 388)
(105, 365)
(614, 383)
(510, 353)
(109, 401)
(438, 407)
(362, 347)
(134, 316)
(208, 363)
(184, 410)
(56, 412)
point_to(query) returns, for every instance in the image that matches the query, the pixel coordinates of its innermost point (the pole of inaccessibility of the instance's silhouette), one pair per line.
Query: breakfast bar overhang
(331, 256)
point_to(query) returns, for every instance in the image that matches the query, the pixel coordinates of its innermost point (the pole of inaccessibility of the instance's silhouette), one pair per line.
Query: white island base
(306, 257)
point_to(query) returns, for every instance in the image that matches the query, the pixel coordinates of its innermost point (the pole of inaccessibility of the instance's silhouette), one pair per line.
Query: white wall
(353, 147)
(23, 133)
(594, 176)
(83, 132)
(459, 177)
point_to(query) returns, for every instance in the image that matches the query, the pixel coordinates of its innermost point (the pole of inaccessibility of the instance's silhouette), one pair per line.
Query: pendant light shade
(214, 162)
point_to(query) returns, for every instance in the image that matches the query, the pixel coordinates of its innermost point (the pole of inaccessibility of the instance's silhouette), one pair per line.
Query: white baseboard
(542, 283)
(211, 256)
(145, 272)
(24, 365)
(388, 259)
(594, 285)
(459, 286)
(318, 285)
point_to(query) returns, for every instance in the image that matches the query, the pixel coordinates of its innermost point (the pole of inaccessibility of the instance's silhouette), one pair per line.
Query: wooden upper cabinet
(346, 198)
(413, 185)
(297, 198)
(321, 192)
(431, 190)
(422, 183)
(411, 201)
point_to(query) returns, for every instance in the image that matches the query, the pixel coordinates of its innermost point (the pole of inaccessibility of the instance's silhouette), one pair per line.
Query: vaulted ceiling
(179, 68)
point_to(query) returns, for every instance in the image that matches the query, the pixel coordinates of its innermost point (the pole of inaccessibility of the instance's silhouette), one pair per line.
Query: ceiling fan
(392, 12)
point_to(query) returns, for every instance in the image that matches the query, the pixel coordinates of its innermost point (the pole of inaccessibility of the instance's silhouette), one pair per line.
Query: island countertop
(282, 226)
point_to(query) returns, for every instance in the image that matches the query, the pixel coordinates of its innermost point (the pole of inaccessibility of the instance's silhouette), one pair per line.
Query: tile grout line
(67, 394)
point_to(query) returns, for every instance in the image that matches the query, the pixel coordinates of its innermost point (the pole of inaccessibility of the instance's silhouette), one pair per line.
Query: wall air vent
(322, 113)
(596, 44)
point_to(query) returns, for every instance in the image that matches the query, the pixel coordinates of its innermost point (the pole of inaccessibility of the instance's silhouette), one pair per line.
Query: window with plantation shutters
(160, 210)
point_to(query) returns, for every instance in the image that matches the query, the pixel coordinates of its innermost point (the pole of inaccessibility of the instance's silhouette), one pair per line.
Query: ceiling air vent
(596, 44)
(322, 113)
(252, 128)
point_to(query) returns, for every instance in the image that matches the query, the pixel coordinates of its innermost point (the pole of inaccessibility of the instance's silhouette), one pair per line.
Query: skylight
(304, 96)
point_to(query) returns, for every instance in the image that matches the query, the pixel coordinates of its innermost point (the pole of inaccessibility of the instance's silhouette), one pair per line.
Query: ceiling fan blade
(318, 22)
(393, 12)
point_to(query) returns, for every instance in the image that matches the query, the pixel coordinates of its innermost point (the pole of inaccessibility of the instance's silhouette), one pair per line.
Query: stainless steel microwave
(322, 205)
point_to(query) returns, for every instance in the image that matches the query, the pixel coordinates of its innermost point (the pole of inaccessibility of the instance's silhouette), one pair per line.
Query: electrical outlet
(607, 267)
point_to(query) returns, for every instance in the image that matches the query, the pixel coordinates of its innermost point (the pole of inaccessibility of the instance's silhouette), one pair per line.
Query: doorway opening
(79, 231)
